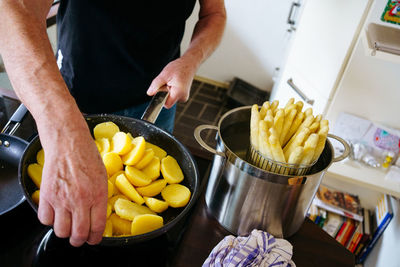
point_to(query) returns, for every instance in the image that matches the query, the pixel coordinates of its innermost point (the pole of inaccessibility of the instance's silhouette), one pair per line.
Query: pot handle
(346, 146)
(16, 119)
(199, 140)
(156, 104)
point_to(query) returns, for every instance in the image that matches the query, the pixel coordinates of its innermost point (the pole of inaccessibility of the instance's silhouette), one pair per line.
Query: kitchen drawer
(292, 84)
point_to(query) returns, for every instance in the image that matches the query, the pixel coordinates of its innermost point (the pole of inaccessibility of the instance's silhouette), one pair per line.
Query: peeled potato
(35, 173)
(155, 204)
(136, 177)
(109, 209)
(145, 223)
(121, 143)
(108, 230)
(137, 152)
(147, 157)
(36, 196)
(171, 171)
(110, 188)
(114, 199)
(152, 170)
(130, 136)
(158, 151)
(40, 157)
(152, 189)
(120, 226)
(112, 180)
(113, 163)
(127, 189)
(98, 145)
(105, 145)
(176, 195)
(105, 130)
(128, 210)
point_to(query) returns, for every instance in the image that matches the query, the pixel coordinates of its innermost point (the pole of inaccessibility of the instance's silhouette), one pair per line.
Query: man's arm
(207, 34)
(73, 193)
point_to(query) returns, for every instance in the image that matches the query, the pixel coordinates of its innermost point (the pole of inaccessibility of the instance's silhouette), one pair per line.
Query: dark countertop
(193, 239)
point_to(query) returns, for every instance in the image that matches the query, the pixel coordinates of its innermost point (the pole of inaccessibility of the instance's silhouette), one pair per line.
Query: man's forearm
(30, 62)
(208, 31)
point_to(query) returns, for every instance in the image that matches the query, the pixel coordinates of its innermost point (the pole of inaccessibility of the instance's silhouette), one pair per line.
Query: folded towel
(257, 249)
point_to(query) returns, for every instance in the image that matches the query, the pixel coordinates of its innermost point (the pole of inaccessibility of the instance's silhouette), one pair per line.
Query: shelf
(377, 54)
(374, 17)
(371, 178)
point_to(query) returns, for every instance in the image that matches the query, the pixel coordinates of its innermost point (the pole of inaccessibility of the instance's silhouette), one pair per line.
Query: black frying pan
(11, 150)
(152, 134)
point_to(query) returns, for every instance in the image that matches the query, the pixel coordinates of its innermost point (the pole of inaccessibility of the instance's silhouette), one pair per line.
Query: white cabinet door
(293, 84)
(326, 33)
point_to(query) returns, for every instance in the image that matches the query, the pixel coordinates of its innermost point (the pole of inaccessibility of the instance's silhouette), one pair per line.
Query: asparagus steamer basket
(254, 157)
(243, 196)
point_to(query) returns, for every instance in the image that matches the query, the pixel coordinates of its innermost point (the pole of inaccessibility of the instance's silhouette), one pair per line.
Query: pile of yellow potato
(288, 134)
(133, 167)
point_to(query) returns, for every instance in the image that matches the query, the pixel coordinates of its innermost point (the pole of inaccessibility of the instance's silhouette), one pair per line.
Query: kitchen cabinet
(324, 39)
(255, 42)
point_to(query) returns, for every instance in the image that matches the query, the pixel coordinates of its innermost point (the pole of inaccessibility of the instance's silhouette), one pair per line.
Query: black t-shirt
(110, 51)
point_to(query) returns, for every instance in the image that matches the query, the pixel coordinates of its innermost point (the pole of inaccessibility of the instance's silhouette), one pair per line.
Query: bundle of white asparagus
(287, 135)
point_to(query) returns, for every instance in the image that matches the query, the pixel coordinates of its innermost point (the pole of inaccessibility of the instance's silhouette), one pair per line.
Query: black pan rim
(22, 198)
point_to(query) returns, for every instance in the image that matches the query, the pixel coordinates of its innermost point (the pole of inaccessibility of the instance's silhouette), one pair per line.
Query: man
(110, 53)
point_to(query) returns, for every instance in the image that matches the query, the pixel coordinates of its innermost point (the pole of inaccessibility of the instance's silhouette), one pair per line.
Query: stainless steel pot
(243, 197)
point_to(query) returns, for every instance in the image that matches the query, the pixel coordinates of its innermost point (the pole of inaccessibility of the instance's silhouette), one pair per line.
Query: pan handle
(16, 119)
(156, 104)
(346, 146)
(200, 140)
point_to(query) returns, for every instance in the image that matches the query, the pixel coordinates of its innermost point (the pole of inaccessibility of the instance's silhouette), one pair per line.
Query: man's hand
(178, 76)
(73, 193)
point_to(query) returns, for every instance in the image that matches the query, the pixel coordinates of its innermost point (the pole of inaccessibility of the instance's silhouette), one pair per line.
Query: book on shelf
(355, 238)
(366, 237)
(322, 214)
(349, 233)
(333, 223)
(382, 216)
(342, 230)
(342, 203)
(346, 231)
(320, 218)
(312, 212)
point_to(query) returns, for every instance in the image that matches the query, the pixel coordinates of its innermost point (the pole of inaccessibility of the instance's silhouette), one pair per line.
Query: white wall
(368, 89)
(253, 45)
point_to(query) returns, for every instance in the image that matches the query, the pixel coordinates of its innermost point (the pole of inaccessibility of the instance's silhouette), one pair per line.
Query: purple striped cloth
(257, 249)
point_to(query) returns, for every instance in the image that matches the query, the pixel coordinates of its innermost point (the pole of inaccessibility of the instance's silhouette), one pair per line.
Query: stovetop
(26, 242)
